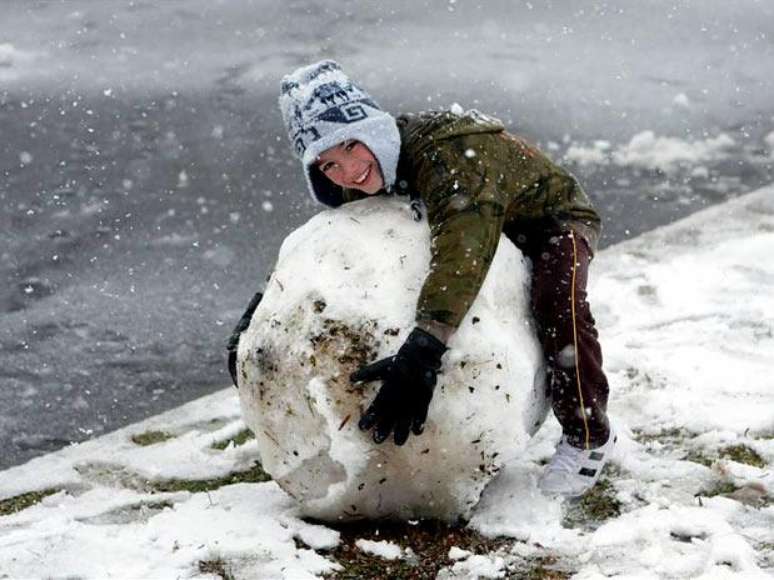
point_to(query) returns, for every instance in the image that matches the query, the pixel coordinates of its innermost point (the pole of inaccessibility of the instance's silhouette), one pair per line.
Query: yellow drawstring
(575, 338)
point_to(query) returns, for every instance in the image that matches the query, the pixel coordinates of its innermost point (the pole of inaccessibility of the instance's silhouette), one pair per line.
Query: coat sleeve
(459, 182)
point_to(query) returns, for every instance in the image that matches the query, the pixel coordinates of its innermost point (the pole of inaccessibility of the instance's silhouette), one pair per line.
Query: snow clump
(343, 294)
(383, 549)
(646, 150)
(769, 140)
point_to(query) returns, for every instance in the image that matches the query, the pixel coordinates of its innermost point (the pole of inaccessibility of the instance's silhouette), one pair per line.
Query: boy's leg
(566, 329)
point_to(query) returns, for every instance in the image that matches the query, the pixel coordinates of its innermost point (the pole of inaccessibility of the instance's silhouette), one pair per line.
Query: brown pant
(565, 327)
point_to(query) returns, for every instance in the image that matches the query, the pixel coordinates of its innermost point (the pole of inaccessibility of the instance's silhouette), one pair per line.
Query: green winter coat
(474, 178)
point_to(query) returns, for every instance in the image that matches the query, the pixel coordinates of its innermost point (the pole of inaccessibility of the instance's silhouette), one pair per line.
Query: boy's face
(351, 165)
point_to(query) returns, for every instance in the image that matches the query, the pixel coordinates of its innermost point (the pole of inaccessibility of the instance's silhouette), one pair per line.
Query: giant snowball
(343, 293)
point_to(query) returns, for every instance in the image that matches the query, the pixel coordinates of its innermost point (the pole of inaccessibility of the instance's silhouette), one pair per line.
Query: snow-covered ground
(686, 314)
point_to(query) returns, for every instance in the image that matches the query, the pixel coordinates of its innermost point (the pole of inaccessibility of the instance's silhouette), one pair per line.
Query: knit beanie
(322, 107)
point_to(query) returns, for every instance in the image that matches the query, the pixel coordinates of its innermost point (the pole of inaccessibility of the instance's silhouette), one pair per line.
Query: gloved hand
(409, 378)
(233, 340)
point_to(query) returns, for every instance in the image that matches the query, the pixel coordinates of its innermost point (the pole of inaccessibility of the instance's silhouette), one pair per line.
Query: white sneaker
(572, 471)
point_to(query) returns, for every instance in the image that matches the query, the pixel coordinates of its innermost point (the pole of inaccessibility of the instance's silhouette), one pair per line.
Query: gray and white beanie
(321, 108)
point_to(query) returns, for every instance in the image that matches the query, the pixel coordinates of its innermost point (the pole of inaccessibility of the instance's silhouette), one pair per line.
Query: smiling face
(351, 165)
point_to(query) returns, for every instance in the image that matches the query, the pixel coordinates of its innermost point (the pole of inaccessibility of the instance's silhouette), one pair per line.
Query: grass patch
(718, 488)
(740, 453)
(151, 505)
(697, 456)
(429, 541)
(151, 438)
(743, 454)
(751, 494)
(136, 513)
(21, 502)
(595, 506)
(766, 551)
(240, 438)
(670, 435)
(541, 568)
(217, 567)
(255, 474)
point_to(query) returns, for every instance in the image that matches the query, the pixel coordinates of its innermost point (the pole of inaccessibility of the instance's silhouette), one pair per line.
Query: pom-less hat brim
(380, 134)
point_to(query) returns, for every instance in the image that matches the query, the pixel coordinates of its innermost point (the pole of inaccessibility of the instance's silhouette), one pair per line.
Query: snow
(456, 108)
(664, 328)
(476, 566)
(646, 150)
(345, 282)
(456, 553)
(7, 52)
(383, 549)
(596, 153)
(13, 61)
(685, 316)
(682, 100)
(97, 527)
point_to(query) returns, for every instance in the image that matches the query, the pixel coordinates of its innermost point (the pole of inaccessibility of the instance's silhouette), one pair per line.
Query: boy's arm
(463, 244)
(466, 215)
(466, 211)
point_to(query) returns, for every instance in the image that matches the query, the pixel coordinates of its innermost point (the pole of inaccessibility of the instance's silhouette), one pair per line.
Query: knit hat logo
(332, 103)
(321, 108)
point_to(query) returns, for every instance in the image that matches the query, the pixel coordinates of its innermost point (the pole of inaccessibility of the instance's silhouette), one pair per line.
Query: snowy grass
(240, 438)
(22, 501)
(429, 548)
(743, 454)
(255, 474)
(685, 317)
(595, 506)
(151, 437)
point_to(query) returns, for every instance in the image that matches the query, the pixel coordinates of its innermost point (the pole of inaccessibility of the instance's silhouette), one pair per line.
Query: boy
(476, 181)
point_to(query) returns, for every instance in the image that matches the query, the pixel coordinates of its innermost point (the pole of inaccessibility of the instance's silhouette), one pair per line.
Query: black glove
(409, 378)
(233, 340)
